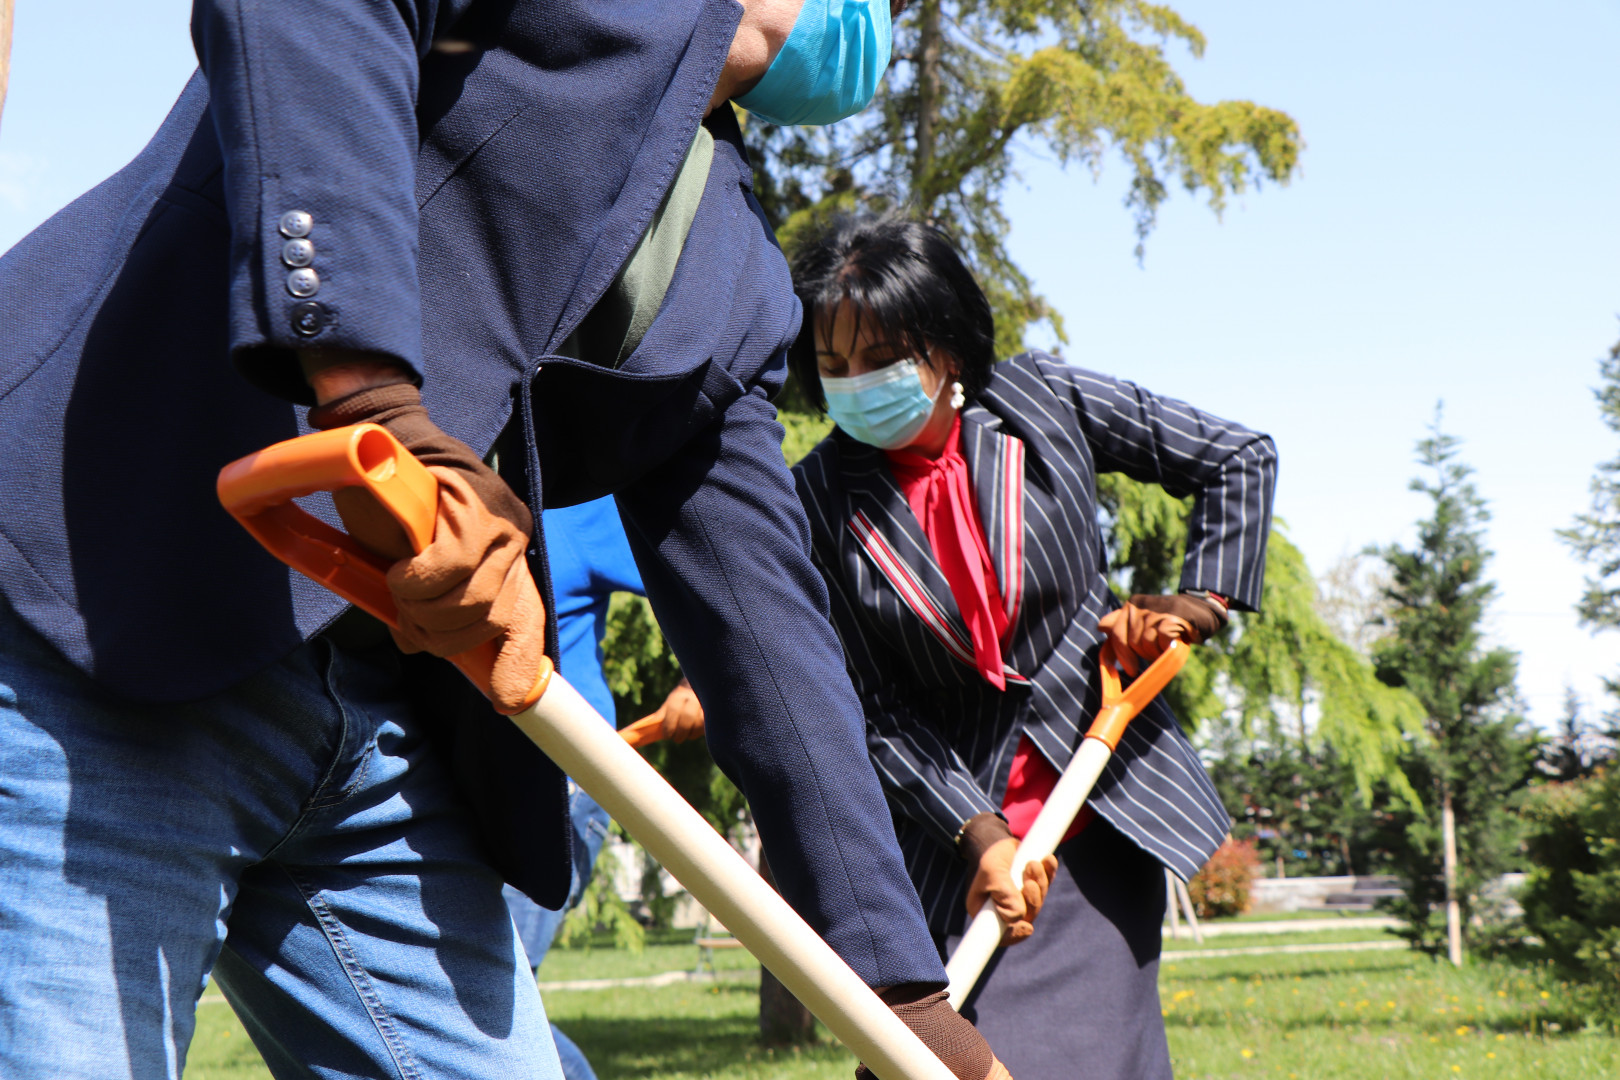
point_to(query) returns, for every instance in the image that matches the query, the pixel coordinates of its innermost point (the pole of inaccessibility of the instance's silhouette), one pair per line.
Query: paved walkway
(1290, 926)
(671, 978)
(1196, 953)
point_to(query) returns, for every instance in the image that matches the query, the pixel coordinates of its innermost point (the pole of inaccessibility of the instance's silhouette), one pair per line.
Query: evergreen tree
(1595, 536)
(1474, 758)
(971, 77)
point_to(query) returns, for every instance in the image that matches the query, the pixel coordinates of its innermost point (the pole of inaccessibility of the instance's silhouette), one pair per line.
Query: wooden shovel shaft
(571, 733)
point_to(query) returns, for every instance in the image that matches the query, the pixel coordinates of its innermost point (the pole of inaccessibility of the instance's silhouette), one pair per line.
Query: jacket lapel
(891, 538)
(995, 461)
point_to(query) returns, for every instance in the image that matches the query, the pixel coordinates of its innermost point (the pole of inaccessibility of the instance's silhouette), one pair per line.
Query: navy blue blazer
(941, 738)
(474, 174)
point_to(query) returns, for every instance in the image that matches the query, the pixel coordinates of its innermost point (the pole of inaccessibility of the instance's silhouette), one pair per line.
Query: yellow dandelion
(1545, 996)
(1247, 1053)
(1501, 1038)
(1389, 1004)
(1456, 1068)
(1462, 1029)
(1490, 1053)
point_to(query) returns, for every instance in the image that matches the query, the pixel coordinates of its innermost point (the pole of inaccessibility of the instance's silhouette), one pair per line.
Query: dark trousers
(1079, 1000)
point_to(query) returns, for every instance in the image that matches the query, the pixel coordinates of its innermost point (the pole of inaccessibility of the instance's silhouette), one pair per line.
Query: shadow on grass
(676, 1047)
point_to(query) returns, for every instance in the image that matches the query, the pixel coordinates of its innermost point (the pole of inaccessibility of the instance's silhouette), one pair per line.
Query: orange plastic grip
(258, 491)
(644, 732)
(1119, 708)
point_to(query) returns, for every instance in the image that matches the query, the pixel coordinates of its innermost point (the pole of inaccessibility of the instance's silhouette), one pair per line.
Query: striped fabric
(941, 738)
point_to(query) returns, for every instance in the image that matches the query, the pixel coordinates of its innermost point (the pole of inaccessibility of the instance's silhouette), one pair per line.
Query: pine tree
(1595, 535)
(1473, 758)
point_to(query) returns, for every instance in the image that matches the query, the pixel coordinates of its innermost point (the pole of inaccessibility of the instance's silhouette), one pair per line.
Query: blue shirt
(590, 560)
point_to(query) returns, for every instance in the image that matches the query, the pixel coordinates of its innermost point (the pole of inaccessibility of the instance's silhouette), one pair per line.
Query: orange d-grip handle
(644, 732)
(259, 490)
(1120, 708)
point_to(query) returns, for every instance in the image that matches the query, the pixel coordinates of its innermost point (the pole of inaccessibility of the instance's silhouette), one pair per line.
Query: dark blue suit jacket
(941, 738)
(477, 171)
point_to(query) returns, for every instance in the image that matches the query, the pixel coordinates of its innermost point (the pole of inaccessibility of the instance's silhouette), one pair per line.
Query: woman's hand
(1016, 904)
(681, 714)
(1144, 628)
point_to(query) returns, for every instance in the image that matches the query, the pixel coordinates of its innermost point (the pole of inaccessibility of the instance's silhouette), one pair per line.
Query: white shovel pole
(983, 935)
(587, 748)
(259, 491)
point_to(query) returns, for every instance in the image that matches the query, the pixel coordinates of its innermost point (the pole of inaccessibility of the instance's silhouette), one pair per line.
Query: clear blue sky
(1455, 234)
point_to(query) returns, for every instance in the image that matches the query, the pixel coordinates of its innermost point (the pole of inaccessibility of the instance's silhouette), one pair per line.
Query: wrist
(337, 373)
(979, 834)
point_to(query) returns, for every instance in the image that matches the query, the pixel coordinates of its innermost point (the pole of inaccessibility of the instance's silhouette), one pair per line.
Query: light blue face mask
(886, 408)
(830, 65)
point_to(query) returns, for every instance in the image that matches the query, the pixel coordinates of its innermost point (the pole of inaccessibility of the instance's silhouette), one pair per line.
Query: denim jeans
(537, 926)
(295, 834)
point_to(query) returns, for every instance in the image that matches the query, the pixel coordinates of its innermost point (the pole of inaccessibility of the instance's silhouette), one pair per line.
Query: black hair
(904, 276)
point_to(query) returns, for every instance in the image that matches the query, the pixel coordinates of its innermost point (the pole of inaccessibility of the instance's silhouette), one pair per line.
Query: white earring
(958, 398)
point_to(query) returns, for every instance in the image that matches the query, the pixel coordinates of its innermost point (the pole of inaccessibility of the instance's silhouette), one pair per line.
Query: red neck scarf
(941, 495)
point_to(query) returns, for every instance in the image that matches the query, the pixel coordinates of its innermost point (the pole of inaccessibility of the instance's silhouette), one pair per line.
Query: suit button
(303, 282)
(309, 318)
(298, 253)
(296, 224)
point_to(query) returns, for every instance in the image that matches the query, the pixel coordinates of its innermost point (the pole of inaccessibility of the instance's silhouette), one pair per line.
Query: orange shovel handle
(1119, 707)
(644, 732)
(259, 490)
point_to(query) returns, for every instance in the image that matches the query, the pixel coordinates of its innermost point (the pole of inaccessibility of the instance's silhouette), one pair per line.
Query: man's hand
(1017, 905)
(472, 583)
(1144, 628)
(681, 715)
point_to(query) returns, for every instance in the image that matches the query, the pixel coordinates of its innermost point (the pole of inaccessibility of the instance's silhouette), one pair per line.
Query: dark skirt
(1079, 1000)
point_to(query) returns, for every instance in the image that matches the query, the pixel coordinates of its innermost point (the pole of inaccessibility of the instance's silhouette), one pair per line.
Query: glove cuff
(979, 834)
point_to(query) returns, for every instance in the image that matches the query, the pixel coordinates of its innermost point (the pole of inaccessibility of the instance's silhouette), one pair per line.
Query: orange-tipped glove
(946, 1033)
(1146, 625)
(472, 583)
(988, 845)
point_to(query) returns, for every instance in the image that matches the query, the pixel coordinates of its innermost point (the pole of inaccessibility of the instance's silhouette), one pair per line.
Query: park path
(1294, 926)
(670, 978)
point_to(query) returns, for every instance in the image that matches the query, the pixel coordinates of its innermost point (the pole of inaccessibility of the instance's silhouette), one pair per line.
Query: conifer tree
(1473, 758)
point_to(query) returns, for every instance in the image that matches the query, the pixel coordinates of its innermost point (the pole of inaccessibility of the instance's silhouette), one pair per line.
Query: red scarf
(941, 495)
(940, 492)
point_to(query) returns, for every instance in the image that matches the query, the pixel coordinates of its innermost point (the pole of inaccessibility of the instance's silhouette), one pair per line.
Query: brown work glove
(399, 408)
(989, 845)
(1146, 625)
(681, 714)
(949, 1036)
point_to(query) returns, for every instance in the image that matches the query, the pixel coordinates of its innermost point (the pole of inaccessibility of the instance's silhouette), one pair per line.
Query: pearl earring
(958, 398)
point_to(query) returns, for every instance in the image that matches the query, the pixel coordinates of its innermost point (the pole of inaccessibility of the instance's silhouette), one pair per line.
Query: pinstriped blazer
(941, 738)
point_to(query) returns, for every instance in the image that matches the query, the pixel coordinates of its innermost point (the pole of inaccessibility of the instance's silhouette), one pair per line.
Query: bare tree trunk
(930, 40)
(1448, 834)
(5, 50)
(783, 1021)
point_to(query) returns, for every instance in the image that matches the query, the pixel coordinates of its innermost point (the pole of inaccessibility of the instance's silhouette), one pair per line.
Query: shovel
(259, 489)
(1119, 708)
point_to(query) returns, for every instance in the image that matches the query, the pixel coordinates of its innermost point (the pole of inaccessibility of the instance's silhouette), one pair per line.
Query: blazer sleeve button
(303, 282)
(297, 253)
(296, 224)
(309, 318)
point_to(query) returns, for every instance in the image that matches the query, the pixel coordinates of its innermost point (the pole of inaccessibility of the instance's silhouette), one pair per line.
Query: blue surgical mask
(886, 408)
(830, 65)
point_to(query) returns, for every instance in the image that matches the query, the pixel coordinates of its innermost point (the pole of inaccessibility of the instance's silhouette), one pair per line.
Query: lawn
(1325, 1016)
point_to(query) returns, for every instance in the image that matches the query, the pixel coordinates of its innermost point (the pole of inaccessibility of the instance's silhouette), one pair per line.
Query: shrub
(1571, 895)
(1222, 886)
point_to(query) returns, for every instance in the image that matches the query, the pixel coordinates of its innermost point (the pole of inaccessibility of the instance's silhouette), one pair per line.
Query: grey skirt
(1079, 1000)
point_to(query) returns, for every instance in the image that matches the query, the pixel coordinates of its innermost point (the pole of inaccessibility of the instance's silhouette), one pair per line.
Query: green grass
(1327, 1016)
(1311, 937)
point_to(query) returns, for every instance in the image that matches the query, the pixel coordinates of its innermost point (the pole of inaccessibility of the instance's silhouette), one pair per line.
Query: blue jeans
(295, 834)
(537, 926)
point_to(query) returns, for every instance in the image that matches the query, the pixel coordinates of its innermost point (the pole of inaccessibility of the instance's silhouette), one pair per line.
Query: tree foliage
(972, 79)
(1284, 673)
(1595, 536)
(1474, 757)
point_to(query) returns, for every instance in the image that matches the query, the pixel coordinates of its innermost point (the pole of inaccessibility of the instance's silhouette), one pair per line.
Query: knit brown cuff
(398, 407)
(980, 834)
(947, 1034)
